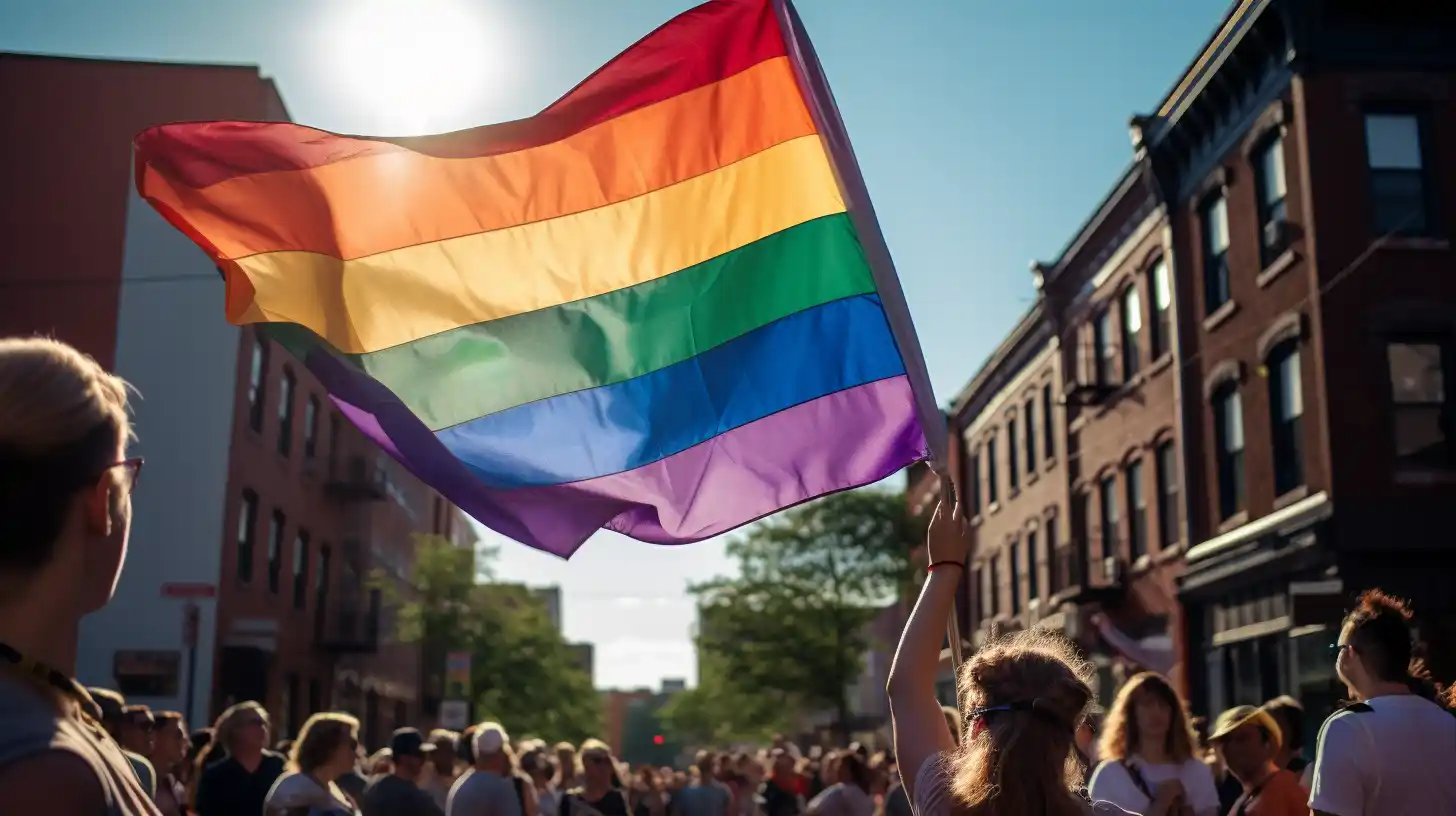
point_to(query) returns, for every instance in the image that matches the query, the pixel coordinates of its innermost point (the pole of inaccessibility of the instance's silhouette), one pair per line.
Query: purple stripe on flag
(840, 441)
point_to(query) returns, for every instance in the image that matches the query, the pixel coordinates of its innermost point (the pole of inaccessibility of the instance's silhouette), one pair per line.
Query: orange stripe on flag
(387, 201)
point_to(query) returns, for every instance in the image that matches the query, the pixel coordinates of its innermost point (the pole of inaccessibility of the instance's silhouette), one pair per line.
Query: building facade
(266, 520)
(1010, 425)
(1308, 166)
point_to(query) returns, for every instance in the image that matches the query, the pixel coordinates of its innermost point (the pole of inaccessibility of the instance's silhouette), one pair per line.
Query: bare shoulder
(54, 782)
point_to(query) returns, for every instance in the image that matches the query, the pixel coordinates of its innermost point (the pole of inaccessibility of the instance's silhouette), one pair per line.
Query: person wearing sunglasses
(66, 481)
(326, 749)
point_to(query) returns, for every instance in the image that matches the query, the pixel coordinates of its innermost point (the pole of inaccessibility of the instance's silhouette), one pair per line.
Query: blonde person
(1149, 750)
(597, 794)
(326, 749)
(66, 481)
(237, 784)
(568, 767)
(1021, 699)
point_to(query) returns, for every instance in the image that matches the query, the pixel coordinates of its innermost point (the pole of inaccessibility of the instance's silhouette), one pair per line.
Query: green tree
(717, 711)
(522, 672)
(791, 627)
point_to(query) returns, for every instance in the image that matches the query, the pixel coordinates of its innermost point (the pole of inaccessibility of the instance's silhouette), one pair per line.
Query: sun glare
(418, 65)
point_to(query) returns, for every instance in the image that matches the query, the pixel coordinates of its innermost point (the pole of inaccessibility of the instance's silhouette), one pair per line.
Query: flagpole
(814, 87)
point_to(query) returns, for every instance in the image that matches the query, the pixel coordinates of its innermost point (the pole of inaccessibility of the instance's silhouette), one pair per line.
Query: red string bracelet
(931, 567)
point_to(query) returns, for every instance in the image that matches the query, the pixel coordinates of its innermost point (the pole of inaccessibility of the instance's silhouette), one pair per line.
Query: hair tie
(1039, 706)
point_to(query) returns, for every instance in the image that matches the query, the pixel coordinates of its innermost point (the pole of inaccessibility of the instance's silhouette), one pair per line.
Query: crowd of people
(1025, 738)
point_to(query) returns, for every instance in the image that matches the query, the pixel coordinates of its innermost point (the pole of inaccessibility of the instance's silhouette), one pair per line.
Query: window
(1132, 323)
(995, 585)
(1167, 495)
(1108, 496)
(1137, 512)
(1400, 194)
(257, 383)
(247, 528)
(987, 611)
(1048, 445)
(1228, 430)
(1014, 556)
(275, 551)
(1033, 591)
(1418, 397)
(1102, 347)
(333, 441)
(991, 470)
(1215, 254)
(310, 427)
(1286, 403)
(285, 412)
(321, 577)
(300, 570)
(1162, 324)
(1269, 186)
(973, 467)
(1030, 409)
(1013, 478)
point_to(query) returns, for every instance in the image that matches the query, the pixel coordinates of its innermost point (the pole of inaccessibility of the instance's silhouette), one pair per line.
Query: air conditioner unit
(1276, 235)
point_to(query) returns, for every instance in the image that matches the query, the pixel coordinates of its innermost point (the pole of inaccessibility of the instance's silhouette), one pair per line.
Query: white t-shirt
(1395, 754)
(1111, 782)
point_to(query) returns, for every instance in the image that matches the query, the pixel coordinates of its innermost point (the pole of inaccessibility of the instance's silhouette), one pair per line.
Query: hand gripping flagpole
(814, 88)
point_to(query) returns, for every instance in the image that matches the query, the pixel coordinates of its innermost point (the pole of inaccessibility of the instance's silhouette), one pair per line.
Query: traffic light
(658, 740)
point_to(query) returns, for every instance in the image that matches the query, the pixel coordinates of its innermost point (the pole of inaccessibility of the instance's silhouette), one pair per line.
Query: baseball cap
(408, 742)
(1240, 716)
(490, 738)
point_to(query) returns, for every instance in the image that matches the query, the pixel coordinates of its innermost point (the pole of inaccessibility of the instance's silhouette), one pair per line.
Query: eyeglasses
(133, 468)
(1340, 647)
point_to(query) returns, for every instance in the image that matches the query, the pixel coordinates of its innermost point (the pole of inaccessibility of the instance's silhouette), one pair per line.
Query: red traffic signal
(658, 740)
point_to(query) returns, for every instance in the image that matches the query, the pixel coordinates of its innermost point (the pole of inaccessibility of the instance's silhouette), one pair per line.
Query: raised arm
(919, 725)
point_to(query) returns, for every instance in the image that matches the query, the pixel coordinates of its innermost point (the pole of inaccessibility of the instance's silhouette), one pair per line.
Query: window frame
(1165, 465)
(1033, 586)
(301, 554)
(1216, 278)
(1229, 465)
(1107, 515)
(278, 525)
(247, 535)
(1446, 411)
(1103, 354)
(1160, 323)
(287, 396)
(1013, 478)
(1049, 431)
(1270, 210)
(973, 466)
(1028, 410)
(1286, 436)
(1430, 196)
(1137, 509)
(991, 495)
(310, 426)
(1013, 558)
(1130, 306)
(257, 382)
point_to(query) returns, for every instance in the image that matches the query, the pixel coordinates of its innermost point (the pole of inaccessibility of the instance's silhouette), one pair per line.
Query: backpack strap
(1137, 779)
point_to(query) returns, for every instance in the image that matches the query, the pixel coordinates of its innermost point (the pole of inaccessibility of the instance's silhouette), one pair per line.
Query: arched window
(1228, 436)
(1286, 409)
(1161, 328)
(1132, 326)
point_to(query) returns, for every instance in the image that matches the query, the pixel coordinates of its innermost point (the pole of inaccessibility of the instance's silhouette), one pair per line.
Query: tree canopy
(789, 631)
(523, 673)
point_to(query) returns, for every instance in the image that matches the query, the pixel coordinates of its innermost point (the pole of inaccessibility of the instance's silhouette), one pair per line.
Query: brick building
(1008, 422)
(1308, 163)
(1110, 297)
(263, 512)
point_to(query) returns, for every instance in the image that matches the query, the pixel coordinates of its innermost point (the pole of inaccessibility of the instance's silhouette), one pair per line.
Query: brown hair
(320, 738)
(62, 417)
(1382, 633)
(1120, 733)
(1021, 759)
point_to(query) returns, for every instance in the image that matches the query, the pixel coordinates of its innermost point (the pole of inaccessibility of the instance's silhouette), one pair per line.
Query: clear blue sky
(987, 132)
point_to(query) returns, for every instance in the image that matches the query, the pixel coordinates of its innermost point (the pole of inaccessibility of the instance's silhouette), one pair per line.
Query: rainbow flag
(662, 306)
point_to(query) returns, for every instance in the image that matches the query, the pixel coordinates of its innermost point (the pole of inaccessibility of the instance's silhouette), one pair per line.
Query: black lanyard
(42, 673)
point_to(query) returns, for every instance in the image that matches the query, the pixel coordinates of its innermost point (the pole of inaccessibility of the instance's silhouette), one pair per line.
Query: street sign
(454, 715)
(190, 616)
(189, 590)
(457, 675)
